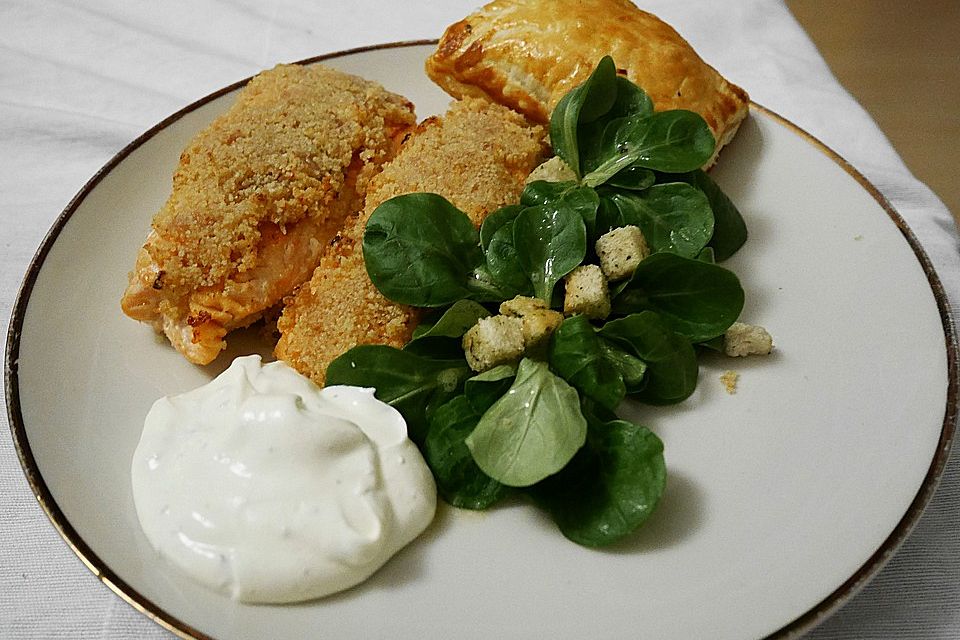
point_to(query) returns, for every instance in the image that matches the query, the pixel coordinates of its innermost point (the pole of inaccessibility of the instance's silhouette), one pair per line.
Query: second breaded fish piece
(256, 197)
(477, 156)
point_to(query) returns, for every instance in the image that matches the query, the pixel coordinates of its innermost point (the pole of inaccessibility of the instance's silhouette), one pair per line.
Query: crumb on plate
(729, 379)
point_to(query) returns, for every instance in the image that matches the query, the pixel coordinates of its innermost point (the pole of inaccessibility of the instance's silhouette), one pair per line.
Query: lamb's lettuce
(611, 486)
(420, 250)
(532, 431)
(697, 299)
(411, 383)
(547, 425)
(459, 480)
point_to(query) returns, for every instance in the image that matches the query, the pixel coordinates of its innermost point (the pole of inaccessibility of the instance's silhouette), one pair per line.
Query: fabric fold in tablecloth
(79, 81)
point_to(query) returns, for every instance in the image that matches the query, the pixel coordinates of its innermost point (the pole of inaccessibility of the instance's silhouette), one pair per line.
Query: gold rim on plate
(801, 624)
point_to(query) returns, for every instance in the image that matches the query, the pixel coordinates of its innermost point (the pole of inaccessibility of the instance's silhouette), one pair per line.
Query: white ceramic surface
(777, 496)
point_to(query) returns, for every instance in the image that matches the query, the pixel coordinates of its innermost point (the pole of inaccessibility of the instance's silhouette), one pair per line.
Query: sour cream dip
(264, 486)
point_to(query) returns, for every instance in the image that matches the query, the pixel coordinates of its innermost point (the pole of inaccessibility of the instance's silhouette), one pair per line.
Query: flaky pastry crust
(526, 54)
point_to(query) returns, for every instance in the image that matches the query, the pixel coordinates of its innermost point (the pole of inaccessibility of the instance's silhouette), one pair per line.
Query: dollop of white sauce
(262, 485)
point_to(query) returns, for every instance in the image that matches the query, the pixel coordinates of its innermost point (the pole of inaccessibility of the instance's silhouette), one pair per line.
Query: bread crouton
(743, 339)
(586, 292)
(620, 251)
(493, 341)
(553, 170)
(539, 321)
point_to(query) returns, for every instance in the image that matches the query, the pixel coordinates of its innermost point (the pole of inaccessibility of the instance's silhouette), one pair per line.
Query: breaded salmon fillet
(256, 197)
(477, 156)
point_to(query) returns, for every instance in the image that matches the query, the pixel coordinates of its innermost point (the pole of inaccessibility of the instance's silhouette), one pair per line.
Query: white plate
(781, 499)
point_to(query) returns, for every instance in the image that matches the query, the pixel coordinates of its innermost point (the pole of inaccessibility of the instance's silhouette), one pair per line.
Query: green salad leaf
(631, 369)
(707, 254)
(421, 250)
(671, 361)
(583, 200)
(483, 389)
(729, 229)
(550, 241)
(611, 486)
(673, 217)
(439, 337)
(532, 431)
(492, 223)
(697, 299)
(547, 425)
(452, 323)
(671, 141)
(631, 100)
(584, 104)
(410, 383)
(504, 265)
(578, 355)
(545, 192)
(633, 178)
(459, 480)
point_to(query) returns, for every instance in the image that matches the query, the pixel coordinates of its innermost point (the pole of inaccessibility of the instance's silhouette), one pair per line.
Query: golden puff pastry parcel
(526, 54)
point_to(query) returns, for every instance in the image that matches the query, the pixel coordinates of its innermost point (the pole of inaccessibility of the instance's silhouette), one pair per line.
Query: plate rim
(803, 623)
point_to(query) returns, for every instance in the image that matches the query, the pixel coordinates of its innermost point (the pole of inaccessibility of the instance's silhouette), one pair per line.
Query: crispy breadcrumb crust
(278, 155)
(477, 156)
(256, 196)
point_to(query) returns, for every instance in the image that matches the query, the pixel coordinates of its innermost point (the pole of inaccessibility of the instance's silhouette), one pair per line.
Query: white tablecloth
(80, 80)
